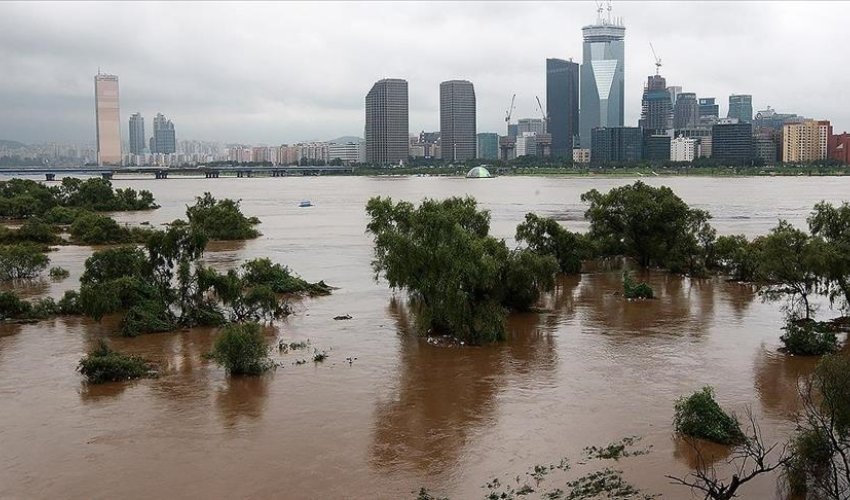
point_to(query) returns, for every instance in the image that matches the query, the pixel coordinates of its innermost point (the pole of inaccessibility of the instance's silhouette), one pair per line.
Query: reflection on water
(241, 398)
(699, 453)
(776, 381)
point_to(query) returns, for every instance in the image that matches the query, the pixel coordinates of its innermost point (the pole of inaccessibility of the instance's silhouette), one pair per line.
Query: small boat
(305, 203)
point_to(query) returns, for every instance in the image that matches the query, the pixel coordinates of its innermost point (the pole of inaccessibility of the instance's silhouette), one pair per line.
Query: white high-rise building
(684, 149)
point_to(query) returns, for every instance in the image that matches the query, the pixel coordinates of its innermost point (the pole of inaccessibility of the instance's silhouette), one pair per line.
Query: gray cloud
(283, 72)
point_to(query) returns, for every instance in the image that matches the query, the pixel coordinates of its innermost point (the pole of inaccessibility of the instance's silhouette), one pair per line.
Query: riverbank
(614, 172)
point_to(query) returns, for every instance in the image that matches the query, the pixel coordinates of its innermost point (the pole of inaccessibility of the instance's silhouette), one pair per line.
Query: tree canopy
(221, 219)
(460, 279)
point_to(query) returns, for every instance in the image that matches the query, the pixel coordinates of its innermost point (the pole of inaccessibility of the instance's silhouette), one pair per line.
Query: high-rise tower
(741, 107)
(164, 141)
(562, 92)
(457, 120)
(386, 129)
(137, 134)
(656, 115)
(107, 118)
(602, 76)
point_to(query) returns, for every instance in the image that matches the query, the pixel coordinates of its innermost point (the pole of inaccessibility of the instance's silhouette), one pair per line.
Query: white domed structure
(478, 173)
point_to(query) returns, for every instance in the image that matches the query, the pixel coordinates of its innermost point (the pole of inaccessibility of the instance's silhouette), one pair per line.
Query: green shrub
(61, 215)
(94, 229)
(22, 261)
(241, 350)
(58, 273)
(545, 236)
(43, 308)
(147, 317)
(105, 365)
(221, 220)
(699, 416)
(69, 304)
(809, 338)
(635, 290)
(279, 278)
(12, 307)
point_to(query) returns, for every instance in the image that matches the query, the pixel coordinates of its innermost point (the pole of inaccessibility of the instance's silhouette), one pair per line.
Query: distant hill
(345, 139)
(11, 144)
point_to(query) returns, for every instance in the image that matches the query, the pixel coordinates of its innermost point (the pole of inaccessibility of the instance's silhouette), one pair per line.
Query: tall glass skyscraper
(163, 140)
(741, 107)
(107, 118)
(137, 134)
(602, 77)
(457, 120)
(562, 84)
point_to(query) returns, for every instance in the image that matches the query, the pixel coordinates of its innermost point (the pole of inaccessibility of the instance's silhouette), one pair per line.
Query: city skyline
(317, 91)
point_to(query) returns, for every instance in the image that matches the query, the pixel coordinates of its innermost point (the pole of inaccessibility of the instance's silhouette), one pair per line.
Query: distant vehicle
(305, 203)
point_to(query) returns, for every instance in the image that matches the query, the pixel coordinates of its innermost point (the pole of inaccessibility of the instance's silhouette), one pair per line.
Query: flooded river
(403, 414)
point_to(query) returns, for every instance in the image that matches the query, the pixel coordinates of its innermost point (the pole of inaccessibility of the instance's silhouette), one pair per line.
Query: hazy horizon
(285, 72)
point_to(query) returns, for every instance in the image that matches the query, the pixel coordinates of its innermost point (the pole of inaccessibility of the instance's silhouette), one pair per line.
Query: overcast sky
(284, 72)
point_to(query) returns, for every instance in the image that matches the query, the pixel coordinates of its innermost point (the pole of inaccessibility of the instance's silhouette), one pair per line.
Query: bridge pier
(211, 175)
(161, 174)
(106, 175)
(239, 174)
(248, 173)
(50, 177)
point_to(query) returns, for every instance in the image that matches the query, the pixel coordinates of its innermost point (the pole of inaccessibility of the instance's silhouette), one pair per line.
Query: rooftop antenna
(657, 59)
(609, 11)
(599, 10)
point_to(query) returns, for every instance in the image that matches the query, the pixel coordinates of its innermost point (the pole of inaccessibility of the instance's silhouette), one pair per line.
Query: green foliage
(221, 220)
(699, 416)
(809, 338)
(279, 278)
(241, 349)
(635, 290)
(69, 304)
(546, 236)
(61, 215)
(20, 198)
(788, 264)
(820, 447)
(58, 273)
(12, 307)
(459, 278)
(148, 316)
(36, 230)
(651, 225)
(832, 224)
(90, 228)
(737, 257)
(21, 262)
(105, 365)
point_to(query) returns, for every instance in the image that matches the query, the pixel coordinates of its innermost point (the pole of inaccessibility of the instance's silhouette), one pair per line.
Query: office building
(137, 134)
(770, 119)
(457, 120)
(387, 122)
(163, 140)
(764, 148)
(350, 152)
(656, 148)
(840, 148)
(674, 94)
(684, 149)
(656, 115)
(562, 95)
(806, 141)
(686, 111)
(732, 143)
(581, 156)
(616, 144)
(526, 144)
(533, 125)
(741, 107)
(709, 111)
(487, 146)
(107, 119)
(602, 77)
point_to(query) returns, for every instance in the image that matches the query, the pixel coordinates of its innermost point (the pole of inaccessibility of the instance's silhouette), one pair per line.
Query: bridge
(209, 172)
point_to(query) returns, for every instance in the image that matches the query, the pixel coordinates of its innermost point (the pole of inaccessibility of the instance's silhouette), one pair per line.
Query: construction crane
(545, 116)
(508, 114)
(657, 59)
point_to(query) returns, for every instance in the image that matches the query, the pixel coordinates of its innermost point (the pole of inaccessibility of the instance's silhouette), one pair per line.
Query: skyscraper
(708, 109)
(656, 108)
(562, 93)
(616, 145)
(686, 111)
(387, 122)
(488, 146)
(732, 143)
(602, 77)
(107, 118)
(741, 107)
(163, 141)
(137, 134)
(457, 120)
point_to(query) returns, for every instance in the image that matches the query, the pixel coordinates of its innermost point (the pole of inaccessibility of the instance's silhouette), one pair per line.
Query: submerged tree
(545, 236)
(221, 219)
(832, 224)
(21, 262)
(242, 350)
(651, 225)
(459, 278)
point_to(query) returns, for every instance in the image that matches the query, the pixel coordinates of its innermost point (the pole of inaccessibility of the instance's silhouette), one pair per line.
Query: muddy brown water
(589, 370)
